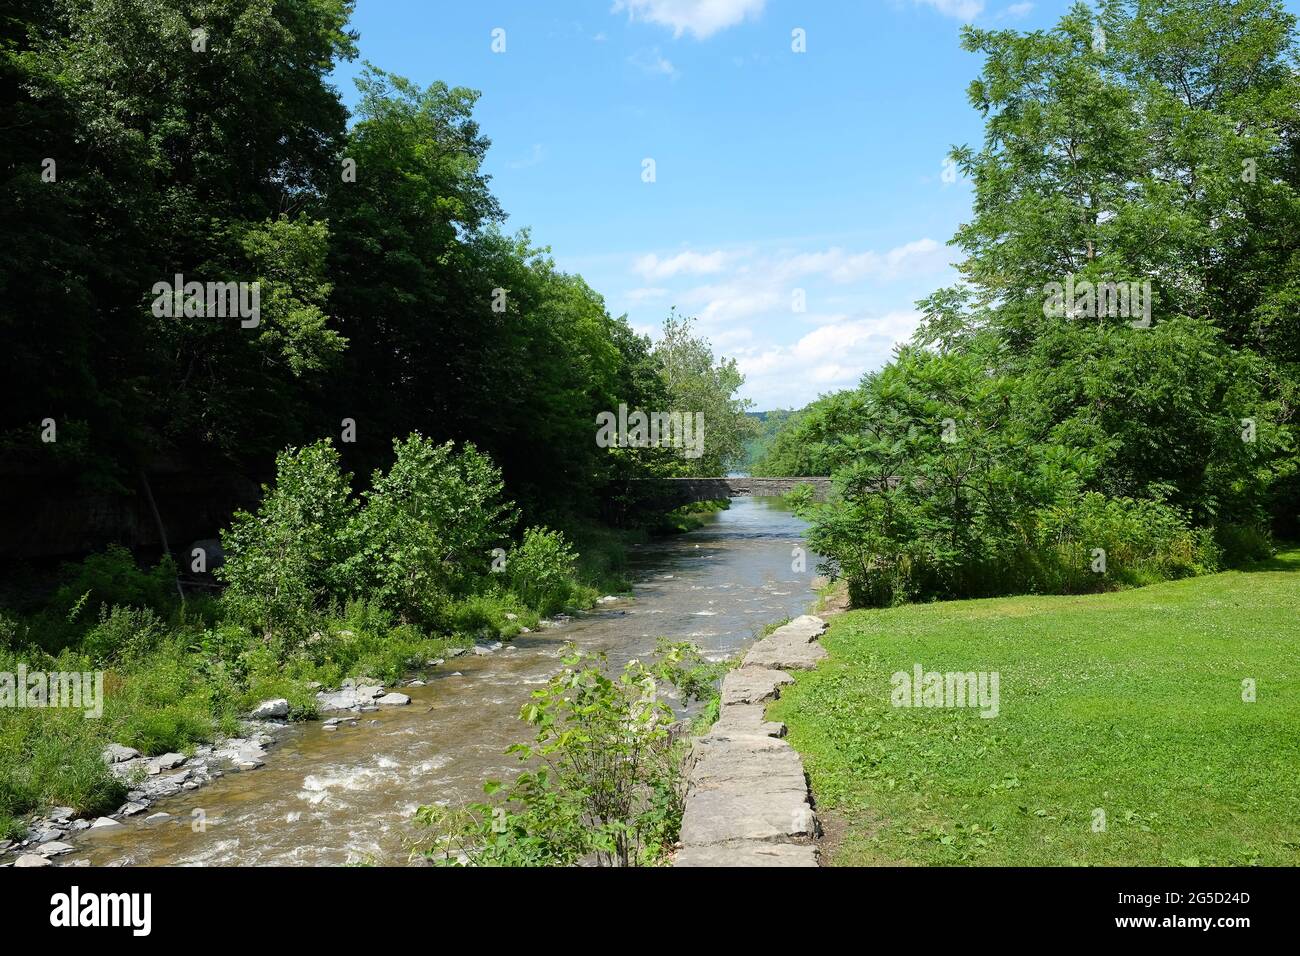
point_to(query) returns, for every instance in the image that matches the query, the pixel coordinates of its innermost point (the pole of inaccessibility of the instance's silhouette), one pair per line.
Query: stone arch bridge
(664, 494)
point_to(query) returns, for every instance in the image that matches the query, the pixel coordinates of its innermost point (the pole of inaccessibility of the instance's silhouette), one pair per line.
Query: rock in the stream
(131, 809)
(62, 814)
(393, 700)
(244, 754)
(116, 753)
(168, 761)
(271, 709)
(488, 648)
(128, 770)
(104, 825)
(54, 848)
(158, 817)
(31, 859)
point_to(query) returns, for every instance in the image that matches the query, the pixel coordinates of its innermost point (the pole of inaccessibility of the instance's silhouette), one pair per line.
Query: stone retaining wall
(747, 799)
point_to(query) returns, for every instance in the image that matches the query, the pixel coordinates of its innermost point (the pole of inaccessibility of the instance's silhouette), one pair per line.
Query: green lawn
(1128, 702)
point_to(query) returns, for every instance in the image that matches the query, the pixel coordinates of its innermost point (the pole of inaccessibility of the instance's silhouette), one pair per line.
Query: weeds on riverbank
(603, 783)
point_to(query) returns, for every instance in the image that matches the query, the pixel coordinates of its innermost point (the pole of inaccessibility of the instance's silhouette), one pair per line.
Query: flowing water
(335, 797)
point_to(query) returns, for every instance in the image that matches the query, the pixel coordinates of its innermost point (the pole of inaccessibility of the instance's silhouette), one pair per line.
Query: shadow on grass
(1287, 559)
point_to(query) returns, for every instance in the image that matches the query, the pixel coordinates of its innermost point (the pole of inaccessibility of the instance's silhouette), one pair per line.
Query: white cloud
(841, 337)
(1014, 12)
(536, 155)
(700, 18)
(922, 255)
(735, 300)
(750, 304)
(684, 263)
(833, 356)
(653, 62)
(645, 294)
(960, 9)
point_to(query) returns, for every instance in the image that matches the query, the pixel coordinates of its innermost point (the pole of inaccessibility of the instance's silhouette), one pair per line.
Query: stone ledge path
(747, 801)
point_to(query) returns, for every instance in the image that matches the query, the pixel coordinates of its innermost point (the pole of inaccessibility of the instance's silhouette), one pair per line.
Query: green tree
(697, 384)
(1150, 141)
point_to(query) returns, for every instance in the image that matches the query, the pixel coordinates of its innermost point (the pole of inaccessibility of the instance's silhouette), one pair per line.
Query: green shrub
(496, 611)
(123, 634)
(1089, 542)
(291, 557)
(540, 569)
(945, 493)
(606, 783)
(1242, 544)
(114, 579)
(937, 486)
(427, 526)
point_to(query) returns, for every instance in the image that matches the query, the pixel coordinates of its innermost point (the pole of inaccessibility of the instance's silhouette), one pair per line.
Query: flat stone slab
(749, 853)
(807, 624)
(751, 764)
(747, 719)
(752, 685)
(720, 816)
(791, 647)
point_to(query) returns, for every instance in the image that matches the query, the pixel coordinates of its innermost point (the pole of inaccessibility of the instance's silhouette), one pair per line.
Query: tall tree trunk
(162, 531)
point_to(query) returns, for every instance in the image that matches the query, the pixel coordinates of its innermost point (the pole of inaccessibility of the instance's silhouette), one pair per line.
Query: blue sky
(775, 171)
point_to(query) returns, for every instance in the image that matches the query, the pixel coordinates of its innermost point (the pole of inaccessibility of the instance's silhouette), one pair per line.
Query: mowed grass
(1130, 703)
